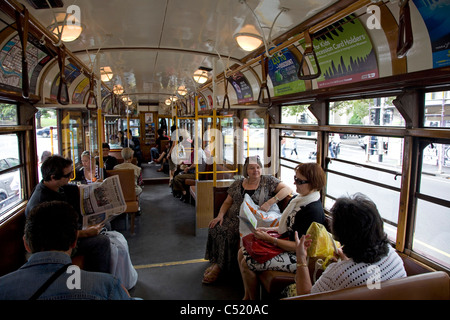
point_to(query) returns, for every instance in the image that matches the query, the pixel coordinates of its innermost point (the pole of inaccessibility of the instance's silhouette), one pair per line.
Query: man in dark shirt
(109, 162)
(56, 172)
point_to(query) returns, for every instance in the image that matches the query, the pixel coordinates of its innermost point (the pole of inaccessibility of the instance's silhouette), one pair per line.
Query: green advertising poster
(345, 54)
(283, 67)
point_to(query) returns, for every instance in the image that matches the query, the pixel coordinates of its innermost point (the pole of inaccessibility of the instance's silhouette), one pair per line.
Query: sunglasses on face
(67, 175)
(298, 181)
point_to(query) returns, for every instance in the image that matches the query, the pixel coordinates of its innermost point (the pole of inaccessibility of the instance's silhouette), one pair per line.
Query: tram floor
(168, 253)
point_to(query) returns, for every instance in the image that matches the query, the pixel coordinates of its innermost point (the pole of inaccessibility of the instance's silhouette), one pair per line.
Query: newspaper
(100, 202)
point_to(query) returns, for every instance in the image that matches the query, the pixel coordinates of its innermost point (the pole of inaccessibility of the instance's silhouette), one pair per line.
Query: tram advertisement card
(101, 201)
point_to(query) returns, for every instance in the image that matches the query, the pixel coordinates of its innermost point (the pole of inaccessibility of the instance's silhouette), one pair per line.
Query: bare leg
(248, 277)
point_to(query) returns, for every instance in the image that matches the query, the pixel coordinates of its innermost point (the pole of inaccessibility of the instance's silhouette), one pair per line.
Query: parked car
(9, 182)
(44, 132)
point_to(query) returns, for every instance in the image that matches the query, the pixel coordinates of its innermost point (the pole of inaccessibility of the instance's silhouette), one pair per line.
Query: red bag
(260, 250)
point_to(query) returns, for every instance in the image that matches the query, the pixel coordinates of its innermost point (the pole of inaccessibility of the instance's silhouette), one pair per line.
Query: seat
(127, 183)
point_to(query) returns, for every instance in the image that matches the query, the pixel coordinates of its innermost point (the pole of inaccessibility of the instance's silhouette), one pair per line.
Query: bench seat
(425, 286)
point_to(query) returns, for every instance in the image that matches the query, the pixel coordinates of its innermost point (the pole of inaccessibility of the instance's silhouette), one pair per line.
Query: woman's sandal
(211, 274)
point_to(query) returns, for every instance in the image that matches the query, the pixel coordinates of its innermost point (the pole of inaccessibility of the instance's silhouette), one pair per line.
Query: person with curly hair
(357, 225)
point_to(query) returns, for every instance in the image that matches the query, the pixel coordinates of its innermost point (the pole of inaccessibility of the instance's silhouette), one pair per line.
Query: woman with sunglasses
(223, 234)
(302, 210)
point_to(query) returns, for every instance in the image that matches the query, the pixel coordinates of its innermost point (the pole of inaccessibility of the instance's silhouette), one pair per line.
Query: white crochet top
(344, 274)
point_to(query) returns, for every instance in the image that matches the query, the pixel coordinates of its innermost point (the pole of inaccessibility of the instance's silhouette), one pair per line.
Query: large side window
(431, 237)
(11, 163)
(367, 163)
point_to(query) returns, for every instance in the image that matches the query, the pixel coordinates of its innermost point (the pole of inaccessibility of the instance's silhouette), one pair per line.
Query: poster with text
(345, 54)
(283, 67)
(436, 15)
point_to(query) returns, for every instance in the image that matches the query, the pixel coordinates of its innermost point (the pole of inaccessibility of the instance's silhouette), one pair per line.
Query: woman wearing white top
(366, 256)
(127, 155)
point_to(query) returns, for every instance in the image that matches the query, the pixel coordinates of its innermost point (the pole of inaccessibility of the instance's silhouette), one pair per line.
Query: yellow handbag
(323, 246)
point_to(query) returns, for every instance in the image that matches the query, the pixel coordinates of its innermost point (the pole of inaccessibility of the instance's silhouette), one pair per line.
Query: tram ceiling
(156, 46)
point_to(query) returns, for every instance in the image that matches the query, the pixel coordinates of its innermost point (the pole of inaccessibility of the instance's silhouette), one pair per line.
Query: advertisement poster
(283, 67)
(436, 15)
(242, 87)
(345, 55)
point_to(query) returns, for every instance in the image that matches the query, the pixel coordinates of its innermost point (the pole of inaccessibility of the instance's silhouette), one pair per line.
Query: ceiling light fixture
(248, 38)
(200, 76)
(106, 74)
(69, 30)
(118, 89)
(182, 91)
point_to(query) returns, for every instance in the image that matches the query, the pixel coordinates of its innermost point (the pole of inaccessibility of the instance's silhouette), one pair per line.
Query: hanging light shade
(118, 89)
(70, 31)
(200, 76)
(168, 102)
(106, 74)
(182, 91)
(248, 38)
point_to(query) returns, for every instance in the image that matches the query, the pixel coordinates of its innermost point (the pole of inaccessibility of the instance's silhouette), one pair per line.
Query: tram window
(46, 133)
(431, 234)
(437, 109)
(10, 178)
(254, 137)
(432, 225)
(375, 150)
(366, 112)
(387, 200)
(371, 165)
(299, 146)
(8, 114)
(297, 114)
(226, 125)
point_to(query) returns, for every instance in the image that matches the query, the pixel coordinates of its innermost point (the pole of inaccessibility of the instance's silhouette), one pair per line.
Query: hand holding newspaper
(101, 201)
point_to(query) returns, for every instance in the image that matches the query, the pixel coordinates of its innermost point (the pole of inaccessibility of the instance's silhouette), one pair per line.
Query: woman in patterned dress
(302, 210)
(223, 234)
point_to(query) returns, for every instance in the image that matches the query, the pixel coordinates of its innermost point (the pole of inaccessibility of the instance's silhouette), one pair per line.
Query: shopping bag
(322, 248)
(121, 266)
(250, 212)
(260, 250)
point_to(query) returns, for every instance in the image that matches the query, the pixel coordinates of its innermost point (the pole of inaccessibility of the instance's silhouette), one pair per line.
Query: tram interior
(359, 86)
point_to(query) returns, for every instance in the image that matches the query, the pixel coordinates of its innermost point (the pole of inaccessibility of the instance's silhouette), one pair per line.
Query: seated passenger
(302, 210)
(189, 173)
(56, 172)
(156, 151)
(89, 172)
(51, 235)
(358, 226)
(223, 234)
(108, 161)
(127, 155)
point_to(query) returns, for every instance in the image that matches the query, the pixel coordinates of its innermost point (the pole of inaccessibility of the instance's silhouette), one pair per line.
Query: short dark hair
(314, 173)
(51, 226)
(357, 224)
(105, 145)
(54, 166)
